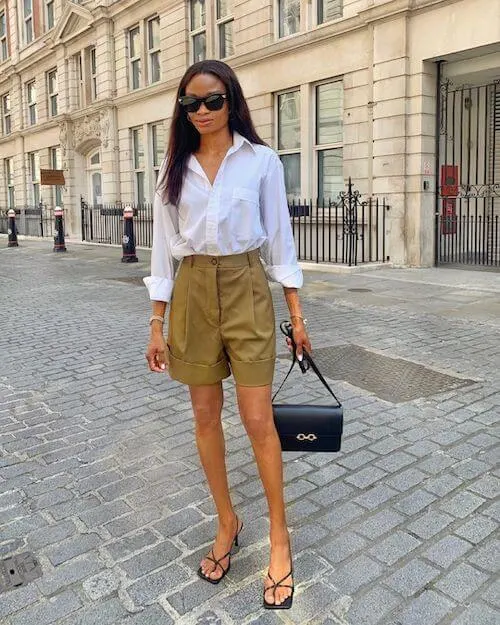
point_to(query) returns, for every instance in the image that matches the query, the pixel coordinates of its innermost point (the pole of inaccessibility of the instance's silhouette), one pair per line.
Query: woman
(220, 204)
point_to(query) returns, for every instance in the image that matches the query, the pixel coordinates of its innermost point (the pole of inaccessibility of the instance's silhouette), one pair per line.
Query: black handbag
(306, 427)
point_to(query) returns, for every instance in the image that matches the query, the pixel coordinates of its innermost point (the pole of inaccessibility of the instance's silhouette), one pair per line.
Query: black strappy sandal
(211, 557)
(287, 603)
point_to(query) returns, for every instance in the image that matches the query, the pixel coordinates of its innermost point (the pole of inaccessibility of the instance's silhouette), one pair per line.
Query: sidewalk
(99, 475)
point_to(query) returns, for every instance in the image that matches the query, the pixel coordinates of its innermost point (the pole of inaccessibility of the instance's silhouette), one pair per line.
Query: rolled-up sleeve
(163, 265)
(278, 252)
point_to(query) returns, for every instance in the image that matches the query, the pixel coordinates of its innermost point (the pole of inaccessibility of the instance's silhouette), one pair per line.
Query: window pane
(289, 16)
(291, 165)
(8, 127)
(199, 47)
(139, 177)
(330, 174)
(95, 159)
(96, 188)
(27, 8)
(58, 196)
(50, 15)
(329, 105)
(53, 105)
(158, 140)
(93, 66)
(226, 39)
(52, 82)
(135, 45)
(154, 33)
(31, 92)
(29, 31)
(329, 10)
(289, 121)
(136, 74)
(4, 50)
(198, 14)
(138, 148)
(6, 103)
(2, 24)
(32, 114)
(36, 194)
(11, 200)
(155, 66)
(224, 8)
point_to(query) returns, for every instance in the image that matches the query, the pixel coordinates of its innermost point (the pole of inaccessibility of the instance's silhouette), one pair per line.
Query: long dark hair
(185, 139)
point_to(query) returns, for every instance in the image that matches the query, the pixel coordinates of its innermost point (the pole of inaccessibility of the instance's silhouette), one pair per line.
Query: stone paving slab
(99, 475)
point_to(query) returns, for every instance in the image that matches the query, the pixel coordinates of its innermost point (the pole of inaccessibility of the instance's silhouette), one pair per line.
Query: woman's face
(203, 120)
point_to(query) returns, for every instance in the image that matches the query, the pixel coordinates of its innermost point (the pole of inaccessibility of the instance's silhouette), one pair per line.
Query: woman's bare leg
(207, 404)
(257, 416)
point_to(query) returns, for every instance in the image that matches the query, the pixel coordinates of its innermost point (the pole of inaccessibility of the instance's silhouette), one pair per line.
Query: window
(52, 92)
(329, 10)
(225, 23)
(153, 25)
(80, 85)
(28, 20)
(134, 43)
(49, 14)
(4, 50)
(198, 30)
(157, 150)
(31, 99)
(55, 162)
(34, 174)
(138, 157)
(6, 122)
(93, 73)
(329, 137)
(289, 17)
(289, 140)
(9, 182)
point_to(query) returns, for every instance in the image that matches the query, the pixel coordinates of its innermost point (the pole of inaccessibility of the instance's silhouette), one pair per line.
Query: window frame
(289, 151)
(9, 182)
(4, 43)
(317, 147)
(92, 56)
(55, 162)
(196, 32)
(155, 165)
(138, 169)
(34, 180)
(31, 104)
(28, 18)
(220, 22)
(6, 114)
(137, 58)
(52, 96)
(47, 14)
(153, 51)
(280, 25)
(319, 4)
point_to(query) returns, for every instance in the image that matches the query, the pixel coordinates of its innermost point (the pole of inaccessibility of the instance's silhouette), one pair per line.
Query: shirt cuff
(287, 275)
(160, 289)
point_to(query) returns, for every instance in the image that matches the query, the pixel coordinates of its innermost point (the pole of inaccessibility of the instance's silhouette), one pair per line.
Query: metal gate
(468, 189)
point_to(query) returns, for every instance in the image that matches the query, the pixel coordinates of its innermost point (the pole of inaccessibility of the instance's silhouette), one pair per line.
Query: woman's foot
(278, 585)
(227, 535)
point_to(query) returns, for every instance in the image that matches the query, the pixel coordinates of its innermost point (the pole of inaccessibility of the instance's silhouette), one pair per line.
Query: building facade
(340, 88)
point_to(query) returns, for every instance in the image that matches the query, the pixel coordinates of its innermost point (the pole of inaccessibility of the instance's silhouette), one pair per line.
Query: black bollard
(128, 241)
(59, 244)
(12, 230)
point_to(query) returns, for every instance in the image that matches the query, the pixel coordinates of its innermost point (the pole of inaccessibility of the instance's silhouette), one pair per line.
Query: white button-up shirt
(246, 208)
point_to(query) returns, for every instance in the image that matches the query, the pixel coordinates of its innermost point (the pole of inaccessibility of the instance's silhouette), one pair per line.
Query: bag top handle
(286, 328)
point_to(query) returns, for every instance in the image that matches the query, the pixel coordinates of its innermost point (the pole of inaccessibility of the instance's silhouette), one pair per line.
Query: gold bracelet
(304, 321)
(156, 318)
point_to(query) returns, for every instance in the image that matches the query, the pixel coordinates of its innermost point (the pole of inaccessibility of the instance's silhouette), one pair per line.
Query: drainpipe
(437, 160)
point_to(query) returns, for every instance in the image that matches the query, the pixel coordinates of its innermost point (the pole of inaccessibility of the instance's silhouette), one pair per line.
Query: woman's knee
(259, 425)
(207, 416)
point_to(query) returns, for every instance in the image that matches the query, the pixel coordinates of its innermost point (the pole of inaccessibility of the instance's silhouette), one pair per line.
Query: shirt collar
(238, 142)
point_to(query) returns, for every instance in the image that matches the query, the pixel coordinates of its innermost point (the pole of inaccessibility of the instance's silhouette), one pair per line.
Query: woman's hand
(300, 337)
(157, 354)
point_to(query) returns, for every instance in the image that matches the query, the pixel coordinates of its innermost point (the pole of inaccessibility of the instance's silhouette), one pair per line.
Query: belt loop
(191, 260)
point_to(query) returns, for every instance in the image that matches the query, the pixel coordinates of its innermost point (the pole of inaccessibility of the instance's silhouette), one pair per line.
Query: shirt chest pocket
(244, 213)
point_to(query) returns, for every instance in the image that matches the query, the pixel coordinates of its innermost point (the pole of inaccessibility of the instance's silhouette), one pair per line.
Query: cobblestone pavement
(99, 476)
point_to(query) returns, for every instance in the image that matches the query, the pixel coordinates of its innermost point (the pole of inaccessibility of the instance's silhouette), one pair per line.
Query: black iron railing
(34, 221)
(349, 230)
(103, 223)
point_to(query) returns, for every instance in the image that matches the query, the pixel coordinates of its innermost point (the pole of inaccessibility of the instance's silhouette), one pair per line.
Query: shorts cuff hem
(195, 374)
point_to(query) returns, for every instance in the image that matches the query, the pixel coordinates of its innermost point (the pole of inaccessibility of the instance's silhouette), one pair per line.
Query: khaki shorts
(221, 319)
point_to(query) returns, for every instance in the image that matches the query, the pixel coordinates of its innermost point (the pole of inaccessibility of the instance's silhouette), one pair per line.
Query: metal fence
(34, 221)
(350, 230)
(103, 223)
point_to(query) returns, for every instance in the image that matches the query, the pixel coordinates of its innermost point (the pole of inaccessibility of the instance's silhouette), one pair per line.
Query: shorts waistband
(231, 260)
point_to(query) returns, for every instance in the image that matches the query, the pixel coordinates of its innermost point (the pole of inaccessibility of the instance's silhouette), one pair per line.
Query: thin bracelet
(156, 318)
(299, 317)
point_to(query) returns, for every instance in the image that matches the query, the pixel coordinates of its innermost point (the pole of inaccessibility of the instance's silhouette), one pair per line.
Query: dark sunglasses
(213, 102)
